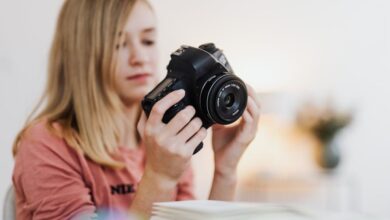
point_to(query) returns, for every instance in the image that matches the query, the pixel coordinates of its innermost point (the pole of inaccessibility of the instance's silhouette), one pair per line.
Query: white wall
(26, 29)
(306, 47)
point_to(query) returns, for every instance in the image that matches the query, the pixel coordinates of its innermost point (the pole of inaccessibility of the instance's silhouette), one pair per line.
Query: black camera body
(211, 86)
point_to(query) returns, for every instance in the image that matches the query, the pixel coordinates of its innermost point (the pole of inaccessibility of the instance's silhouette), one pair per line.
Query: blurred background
(320, 69)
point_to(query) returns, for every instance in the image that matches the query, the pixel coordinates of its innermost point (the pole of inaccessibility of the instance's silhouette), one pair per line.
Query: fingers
(180, 120)
(163, 105)
(252, 108)
(195, 140)
(190, 130)
(247, 117)
(251, 117)
(252, 93)
(249, 123)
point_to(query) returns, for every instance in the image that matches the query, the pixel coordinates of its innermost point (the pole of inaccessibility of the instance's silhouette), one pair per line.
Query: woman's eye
(148, 42)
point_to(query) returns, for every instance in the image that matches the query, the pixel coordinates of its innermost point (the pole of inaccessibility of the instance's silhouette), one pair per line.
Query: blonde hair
(80, 92)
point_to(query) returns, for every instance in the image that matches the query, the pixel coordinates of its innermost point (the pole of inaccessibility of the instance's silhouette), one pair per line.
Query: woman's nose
(138, 56)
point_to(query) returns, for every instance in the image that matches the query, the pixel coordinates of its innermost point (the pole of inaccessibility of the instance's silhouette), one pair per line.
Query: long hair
(80, 92)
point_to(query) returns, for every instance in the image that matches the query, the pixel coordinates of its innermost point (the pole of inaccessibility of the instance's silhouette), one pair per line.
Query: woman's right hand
(169, 147)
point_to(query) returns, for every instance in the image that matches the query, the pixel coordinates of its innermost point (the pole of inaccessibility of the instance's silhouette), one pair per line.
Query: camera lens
(223, 98)
(229, 100)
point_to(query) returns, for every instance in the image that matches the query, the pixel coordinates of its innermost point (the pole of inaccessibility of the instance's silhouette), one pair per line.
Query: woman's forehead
(141, 19)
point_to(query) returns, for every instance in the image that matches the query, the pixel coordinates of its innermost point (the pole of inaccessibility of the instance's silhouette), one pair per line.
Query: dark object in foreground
(211, 86)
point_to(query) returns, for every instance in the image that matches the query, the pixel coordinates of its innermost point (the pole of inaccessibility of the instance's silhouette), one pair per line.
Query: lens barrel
(224, 98)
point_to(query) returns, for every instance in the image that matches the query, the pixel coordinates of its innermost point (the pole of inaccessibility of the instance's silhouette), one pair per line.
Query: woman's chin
(135, 96)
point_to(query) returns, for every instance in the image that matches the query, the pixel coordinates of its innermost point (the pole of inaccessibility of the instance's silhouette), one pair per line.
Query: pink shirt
(54, 181)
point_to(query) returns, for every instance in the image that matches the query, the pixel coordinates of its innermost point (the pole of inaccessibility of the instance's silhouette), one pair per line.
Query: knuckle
(149, 131)
(158, 109)
(175, 150)
(185, 156)
(160, 141)
(173, 145)
(177, 153)
(181, 154)
(171, 150)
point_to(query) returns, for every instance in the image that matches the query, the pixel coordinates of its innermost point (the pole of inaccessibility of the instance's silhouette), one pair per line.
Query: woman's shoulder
(42, 130)
(44, 138)
(41, 149)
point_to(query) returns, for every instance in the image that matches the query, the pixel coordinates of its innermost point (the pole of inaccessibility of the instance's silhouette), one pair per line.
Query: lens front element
(225, 99)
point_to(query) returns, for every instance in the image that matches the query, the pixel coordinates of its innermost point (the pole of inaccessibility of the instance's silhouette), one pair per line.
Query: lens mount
(224, 98)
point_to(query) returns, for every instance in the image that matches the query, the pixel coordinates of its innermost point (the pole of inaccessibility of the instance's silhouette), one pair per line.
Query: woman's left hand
(230, 142)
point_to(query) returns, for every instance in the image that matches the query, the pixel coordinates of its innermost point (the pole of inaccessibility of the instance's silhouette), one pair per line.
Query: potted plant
(324, 123)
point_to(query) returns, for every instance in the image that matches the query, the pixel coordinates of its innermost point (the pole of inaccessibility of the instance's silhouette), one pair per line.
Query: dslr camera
(211, 86)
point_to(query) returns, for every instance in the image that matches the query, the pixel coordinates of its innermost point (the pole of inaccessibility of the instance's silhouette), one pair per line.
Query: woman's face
(136, 72)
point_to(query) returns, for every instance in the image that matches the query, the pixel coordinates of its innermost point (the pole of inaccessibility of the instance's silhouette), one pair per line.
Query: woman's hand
(169, 147)
(230, 142)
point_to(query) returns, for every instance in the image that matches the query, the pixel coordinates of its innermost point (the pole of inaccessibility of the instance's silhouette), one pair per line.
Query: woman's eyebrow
(149, 30)
(143, 31)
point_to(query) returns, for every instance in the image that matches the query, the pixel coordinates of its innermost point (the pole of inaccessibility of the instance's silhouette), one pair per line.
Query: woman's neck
(129, 137)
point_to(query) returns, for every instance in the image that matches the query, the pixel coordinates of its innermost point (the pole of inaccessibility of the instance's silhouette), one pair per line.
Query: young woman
(90, 148)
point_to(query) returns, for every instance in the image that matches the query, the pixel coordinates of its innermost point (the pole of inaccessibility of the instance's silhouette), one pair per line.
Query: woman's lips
(139, 77)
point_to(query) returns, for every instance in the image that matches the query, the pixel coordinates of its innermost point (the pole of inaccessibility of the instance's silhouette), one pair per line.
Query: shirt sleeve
(48, 180)
(186, 186)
